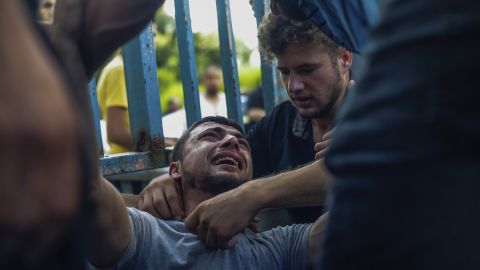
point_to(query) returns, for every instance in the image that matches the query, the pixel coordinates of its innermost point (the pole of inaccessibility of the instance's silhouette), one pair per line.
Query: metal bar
(143, 92)
(229, 61)
(92, 88)
(188, 65)
(269, 75)
(132, 162)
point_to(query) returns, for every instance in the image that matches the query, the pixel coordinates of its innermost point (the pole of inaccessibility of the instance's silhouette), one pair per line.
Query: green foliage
(250, 78)
(207, 52)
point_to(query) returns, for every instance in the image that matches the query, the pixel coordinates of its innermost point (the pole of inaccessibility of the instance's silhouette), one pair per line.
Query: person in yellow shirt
(112, 100)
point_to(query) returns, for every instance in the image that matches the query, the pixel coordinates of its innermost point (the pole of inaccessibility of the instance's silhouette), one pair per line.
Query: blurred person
(212, 103)
(113, 103)
(210, 158)
(255, 107)
(405, 152)
(48, 150)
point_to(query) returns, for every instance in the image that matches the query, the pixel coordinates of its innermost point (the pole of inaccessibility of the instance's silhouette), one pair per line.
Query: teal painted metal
(132, 162)
(188, 65)
(92, 89)
(269, 70)
(229, 61)
(143, 92)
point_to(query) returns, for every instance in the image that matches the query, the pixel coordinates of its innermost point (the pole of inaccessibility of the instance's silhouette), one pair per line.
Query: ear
(174, 171)
(346, 59)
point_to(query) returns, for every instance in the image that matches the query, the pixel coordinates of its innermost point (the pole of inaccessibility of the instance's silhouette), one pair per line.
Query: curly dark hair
(276, 33)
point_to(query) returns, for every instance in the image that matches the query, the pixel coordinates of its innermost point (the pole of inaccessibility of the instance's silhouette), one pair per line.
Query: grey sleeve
(142, 227)
(287, 246)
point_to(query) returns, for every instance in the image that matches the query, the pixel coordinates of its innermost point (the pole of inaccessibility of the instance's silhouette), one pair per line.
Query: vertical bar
(92, 88)
(188, 65)
(143, 92)
(229, 61)
(269, 78)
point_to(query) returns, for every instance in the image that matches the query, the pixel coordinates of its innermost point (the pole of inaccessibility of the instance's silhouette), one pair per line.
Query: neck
(192, 198)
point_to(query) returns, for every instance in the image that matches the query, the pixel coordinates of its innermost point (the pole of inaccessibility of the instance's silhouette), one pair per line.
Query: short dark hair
(177, 153)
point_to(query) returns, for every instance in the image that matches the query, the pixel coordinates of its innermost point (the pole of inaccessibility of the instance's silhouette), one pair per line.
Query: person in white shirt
(212, 103)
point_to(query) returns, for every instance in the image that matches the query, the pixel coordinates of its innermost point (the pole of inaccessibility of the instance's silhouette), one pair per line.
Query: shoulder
(287, 233)
(288, 246)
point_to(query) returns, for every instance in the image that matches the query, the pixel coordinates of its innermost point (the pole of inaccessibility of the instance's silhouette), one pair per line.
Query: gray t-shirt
(158, 244)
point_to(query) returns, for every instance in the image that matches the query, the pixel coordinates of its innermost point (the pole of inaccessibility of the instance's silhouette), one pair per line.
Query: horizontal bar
(132, 162)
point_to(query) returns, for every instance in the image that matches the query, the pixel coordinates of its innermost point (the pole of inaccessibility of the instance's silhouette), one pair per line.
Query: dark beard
(322, 112)
(213, 184)
(326, 110)
(212, 91)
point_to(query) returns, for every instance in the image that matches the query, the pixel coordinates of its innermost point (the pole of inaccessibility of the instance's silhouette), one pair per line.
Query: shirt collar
(300, 125)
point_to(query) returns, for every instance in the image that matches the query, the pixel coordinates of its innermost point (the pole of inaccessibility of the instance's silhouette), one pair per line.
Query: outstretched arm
(89, 31)
(110, 229)
(217, 220)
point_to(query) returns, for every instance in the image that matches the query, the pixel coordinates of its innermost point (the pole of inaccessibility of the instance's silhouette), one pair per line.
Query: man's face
(313, 82)
(212, 80)
(216, 158)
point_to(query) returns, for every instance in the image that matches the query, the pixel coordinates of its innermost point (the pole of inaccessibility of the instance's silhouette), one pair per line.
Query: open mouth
(226, 160)
(302, 100)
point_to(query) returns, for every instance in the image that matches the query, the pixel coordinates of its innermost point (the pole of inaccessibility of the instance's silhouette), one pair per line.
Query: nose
(230, 142)
(295, 83)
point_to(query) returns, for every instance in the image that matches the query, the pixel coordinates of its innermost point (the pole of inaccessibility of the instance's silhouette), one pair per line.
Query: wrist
(255, 192)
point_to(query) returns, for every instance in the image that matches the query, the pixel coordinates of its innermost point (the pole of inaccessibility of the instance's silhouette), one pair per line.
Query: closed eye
(284, 71)
(209, 136)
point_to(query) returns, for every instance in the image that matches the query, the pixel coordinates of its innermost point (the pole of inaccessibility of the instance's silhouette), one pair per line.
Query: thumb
(191, 222)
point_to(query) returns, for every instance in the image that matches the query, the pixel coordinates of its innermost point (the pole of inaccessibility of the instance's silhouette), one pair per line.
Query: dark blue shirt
(283, 140)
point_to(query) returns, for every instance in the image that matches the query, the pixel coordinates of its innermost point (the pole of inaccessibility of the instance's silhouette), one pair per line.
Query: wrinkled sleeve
(283, 247)
(142, 230)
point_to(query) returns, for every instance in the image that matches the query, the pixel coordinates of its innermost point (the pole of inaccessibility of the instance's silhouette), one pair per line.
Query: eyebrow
(305, 65)
(220, 130)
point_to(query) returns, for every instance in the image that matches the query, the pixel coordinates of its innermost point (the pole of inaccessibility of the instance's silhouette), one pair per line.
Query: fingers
(321, 154)
(254, 227)
(328, 135)
(162, 199)
(210, 239)
(207, 233)
(321, 146)
(191, 222)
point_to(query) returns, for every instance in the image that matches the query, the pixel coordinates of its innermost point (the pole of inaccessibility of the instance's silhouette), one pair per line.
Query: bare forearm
(110, 231)
(316, 233)
(305, 186)
(122, 137)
